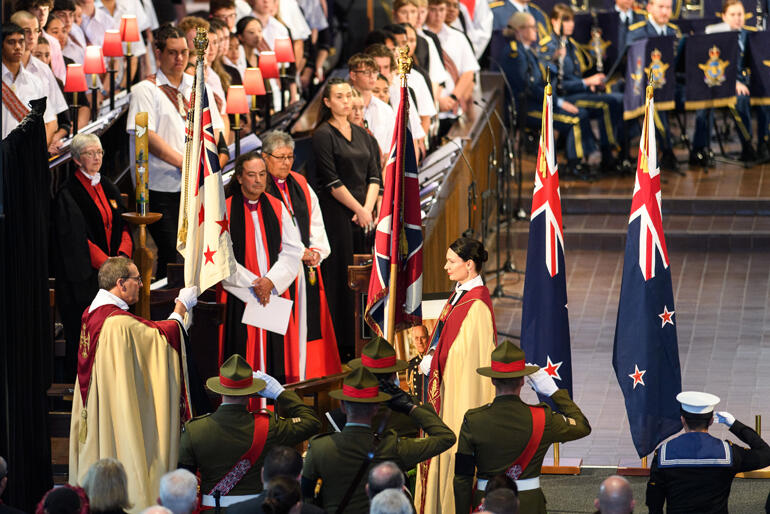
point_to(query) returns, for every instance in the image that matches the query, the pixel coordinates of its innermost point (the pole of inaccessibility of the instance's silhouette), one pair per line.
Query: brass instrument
(596, 45)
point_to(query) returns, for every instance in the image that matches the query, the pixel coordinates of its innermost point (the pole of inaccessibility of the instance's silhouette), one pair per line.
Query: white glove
(724, 417)
(188, 296)
(541, 382)
(425, 364)
(273, 389)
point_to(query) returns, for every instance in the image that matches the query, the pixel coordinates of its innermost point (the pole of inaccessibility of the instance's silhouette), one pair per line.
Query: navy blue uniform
(694, 472)
(526, 73)
(502, 10)
(741, 113)
(607, 108)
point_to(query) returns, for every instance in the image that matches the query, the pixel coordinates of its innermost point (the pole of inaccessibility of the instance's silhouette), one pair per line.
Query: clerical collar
(251, 205)
(104, 297)
(474, 282)
(95, 178)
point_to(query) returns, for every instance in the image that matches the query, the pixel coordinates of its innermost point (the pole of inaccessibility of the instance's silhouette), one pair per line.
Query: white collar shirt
(27, 87)
(625, 16)
(453, 42)
(460, 288)
(273, 30)
(214, 84)
(74, 51)
(43, 72)
(95, 27)
(661, 30)
(104, 297)
(314, 14)
(292, 16)
(381, 120)
(242, 9)
(122, 7)
(520, 6)
(165, 120)
(78, 35)
(425, 103)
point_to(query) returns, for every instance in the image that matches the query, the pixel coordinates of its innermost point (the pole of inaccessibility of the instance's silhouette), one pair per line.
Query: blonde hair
(106, 485)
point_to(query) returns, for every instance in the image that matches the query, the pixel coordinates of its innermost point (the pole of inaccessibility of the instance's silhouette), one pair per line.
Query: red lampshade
(284, 52)
(112, 46)
(75, 81)
(129, 30)
(236, 101)
(253, 83)
(94, 62)
(268, 65)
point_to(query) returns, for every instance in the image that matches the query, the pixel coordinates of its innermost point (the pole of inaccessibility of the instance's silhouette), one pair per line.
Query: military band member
(572, 61)
(502, 10)
(658, 24)
(628, 14)
(694, 471)
(733, 17)
(527, 74)
(511, 437)
(216, 444)
(336, 463)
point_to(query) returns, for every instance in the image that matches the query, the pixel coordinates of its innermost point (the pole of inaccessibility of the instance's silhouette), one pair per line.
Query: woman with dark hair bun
(462, 341)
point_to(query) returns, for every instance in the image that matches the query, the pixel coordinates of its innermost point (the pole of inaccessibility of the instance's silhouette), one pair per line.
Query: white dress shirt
(292, 16)
(242, 9)
(381, 120)
(436, 70)
(43, 72)
(459, 288)
(165, 120)
(27, 87)
(661, 30)
(95, 27)
(479, 26)
(314, 14)
(453, 42)
(273, 30)
(426, 106)
(138, 48)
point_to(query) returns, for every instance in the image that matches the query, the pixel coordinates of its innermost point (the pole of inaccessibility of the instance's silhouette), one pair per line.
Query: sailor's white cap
(697, 402)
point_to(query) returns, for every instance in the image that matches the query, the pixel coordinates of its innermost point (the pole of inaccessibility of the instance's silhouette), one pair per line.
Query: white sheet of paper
(273, 317)
(431, 309)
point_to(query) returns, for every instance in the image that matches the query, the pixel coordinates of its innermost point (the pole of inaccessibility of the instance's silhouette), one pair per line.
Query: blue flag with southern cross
(544, 320)
(645, 353)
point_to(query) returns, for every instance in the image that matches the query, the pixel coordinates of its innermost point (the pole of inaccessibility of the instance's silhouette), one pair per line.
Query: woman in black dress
(349, 182)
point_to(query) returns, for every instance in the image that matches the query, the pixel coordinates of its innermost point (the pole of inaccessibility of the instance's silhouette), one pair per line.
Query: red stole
(100, 200)
(11, 102)
(173, 95)
(453, 317)
(89, 342)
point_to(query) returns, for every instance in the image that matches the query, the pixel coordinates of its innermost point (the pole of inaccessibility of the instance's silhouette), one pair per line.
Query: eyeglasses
(93, 153)
(365, 72)
(281, 157)
(138, 278)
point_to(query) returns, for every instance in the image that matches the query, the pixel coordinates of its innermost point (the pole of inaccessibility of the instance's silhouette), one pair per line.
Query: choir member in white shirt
(41, 9)
(378, 116)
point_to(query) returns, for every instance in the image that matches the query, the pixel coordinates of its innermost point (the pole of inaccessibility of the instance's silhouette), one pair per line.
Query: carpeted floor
(576, 494)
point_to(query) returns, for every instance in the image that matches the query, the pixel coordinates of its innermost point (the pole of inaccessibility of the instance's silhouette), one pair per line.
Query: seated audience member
(378, 115)
(64, 499)
(41, 9)
(391, 501)
(22, 86)
(189, 26)
(75, 45)
(385, 475)
(224, 10)
(6, 509)
(179, 491)
(281, 463)
(282, 496)
(501, 501)
(615, 496)
(106, 485)
(42, 70)
(87, 229)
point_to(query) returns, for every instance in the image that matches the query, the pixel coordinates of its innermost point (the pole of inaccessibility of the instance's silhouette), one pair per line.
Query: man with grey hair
(317, 353)
(132, 387)
(615, 496)
(178, 492)
(385, 475)
(391, 501)
(5, 509)
(87, 229)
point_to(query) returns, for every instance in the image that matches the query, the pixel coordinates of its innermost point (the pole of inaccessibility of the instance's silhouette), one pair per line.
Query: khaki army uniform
(212, 444)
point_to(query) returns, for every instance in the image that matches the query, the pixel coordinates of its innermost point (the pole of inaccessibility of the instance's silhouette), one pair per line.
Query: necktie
(628, 20)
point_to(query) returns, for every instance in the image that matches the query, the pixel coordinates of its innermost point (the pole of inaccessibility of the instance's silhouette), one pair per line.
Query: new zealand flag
(544, 321)
(645, 353)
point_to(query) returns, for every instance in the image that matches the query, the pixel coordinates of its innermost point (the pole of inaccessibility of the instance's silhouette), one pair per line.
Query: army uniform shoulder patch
(569, 421)
(749, 28)
(544, 41)
(637, 25)
(497, 3)
(478, 409)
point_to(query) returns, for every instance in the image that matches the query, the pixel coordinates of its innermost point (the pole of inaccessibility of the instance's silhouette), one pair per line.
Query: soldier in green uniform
(336, 463)
(228, 446)
(379, 357)
(511, 437)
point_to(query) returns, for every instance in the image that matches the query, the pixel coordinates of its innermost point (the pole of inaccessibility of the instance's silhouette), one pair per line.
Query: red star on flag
(209, 254)
(200, 216)
(225, 224)
(666, 316)
(637, 376)
(553, 368)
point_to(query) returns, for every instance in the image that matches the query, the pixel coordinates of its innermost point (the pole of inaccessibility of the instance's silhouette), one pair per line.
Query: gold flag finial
(201, 41)
(548, 88)
(650, 85)
(404, 63)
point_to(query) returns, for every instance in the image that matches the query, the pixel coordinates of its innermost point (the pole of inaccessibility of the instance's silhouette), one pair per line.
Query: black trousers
(164, 231)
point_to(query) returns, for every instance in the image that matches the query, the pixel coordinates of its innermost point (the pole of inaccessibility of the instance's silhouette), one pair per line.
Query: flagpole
(404, 66)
